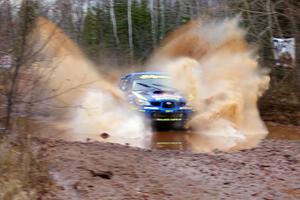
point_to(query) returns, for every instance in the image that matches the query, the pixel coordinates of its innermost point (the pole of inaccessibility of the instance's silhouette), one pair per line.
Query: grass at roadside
(22, 176)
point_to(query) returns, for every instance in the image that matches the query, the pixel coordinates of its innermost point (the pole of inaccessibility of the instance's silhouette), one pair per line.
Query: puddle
(163, 140)
(177, 140)
(286, 132)
(172, 140)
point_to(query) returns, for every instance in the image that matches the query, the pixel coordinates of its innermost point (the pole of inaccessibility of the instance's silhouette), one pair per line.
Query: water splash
(90, 105)
(217, 70)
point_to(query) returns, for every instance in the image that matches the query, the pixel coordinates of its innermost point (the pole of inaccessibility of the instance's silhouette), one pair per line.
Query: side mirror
(123, 87)
(123, 84)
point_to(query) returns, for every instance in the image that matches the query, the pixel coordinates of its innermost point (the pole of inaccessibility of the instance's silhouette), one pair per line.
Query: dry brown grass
(22, 176)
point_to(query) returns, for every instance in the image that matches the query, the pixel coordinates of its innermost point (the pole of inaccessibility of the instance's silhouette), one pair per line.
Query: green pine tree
(27, 15)
(91, 32)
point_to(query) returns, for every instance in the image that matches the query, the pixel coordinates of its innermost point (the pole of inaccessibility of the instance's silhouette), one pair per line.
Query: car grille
(181, 103)
(156, 103)
(168, 115)
(168, 104)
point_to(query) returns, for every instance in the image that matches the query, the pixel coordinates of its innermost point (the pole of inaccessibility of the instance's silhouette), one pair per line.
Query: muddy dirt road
(103, 171)
(164, 140)
(177, 139)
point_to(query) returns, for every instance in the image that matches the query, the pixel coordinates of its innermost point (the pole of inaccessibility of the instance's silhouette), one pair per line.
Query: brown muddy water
(163, 140)
(178, 140)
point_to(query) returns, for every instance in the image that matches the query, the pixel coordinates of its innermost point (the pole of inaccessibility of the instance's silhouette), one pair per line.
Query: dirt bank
(111, 171)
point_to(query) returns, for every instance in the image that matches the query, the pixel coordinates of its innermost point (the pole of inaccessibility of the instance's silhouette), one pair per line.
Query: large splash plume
(218, 72)
(91, 107)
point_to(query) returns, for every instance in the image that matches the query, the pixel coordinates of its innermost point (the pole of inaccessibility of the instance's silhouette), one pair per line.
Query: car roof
(145, 73)
(142, 73)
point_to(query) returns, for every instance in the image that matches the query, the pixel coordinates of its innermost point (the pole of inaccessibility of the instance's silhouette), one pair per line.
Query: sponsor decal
(139, 96)
(165, 143)
(151, 108)
(284, 51)
(167, 119)
(5, 61)
(151, 76)
(165, 97)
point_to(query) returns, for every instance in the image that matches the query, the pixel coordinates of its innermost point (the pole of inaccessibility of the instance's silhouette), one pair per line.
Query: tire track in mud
(270, 171)
(65, 184)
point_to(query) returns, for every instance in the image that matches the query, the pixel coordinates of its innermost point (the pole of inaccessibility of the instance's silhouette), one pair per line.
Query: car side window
(124, 83)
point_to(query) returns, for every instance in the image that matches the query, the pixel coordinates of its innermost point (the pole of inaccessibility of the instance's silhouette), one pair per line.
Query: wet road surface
(111, 171)
(177, 140)
(169, 140)
(164, 140)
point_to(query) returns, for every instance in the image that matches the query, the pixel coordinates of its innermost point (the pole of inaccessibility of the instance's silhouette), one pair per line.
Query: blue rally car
(153, 94)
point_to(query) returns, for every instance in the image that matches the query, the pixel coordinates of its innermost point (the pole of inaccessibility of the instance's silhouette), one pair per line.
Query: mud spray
(211, 63)
(91, 107)
(218, 72)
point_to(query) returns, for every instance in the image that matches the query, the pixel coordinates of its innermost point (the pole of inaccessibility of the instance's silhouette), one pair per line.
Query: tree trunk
(153, 22)
(114, 23)
(78, 7)
(162, 19)
(130, 39)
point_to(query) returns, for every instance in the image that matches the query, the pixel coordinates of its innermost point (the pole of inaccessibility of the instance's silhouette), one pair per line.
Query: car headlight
(142, 102)
(189, 104)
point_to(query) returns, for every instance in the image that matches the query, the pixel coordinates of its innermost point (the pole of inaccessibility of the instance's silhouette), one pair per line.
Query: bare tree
(79, 17)
(114, 22)
(162, 18)
(130, 39)
(153, 8)
(21, 57)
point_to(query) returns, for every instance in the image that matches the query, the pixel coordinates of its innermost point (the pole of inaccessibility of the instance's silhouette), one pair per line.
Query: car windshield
(152, 84)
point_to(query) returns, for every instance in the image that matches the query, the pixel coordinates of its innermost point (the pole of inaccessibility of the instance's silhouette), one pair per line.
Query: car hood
(159, 95)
